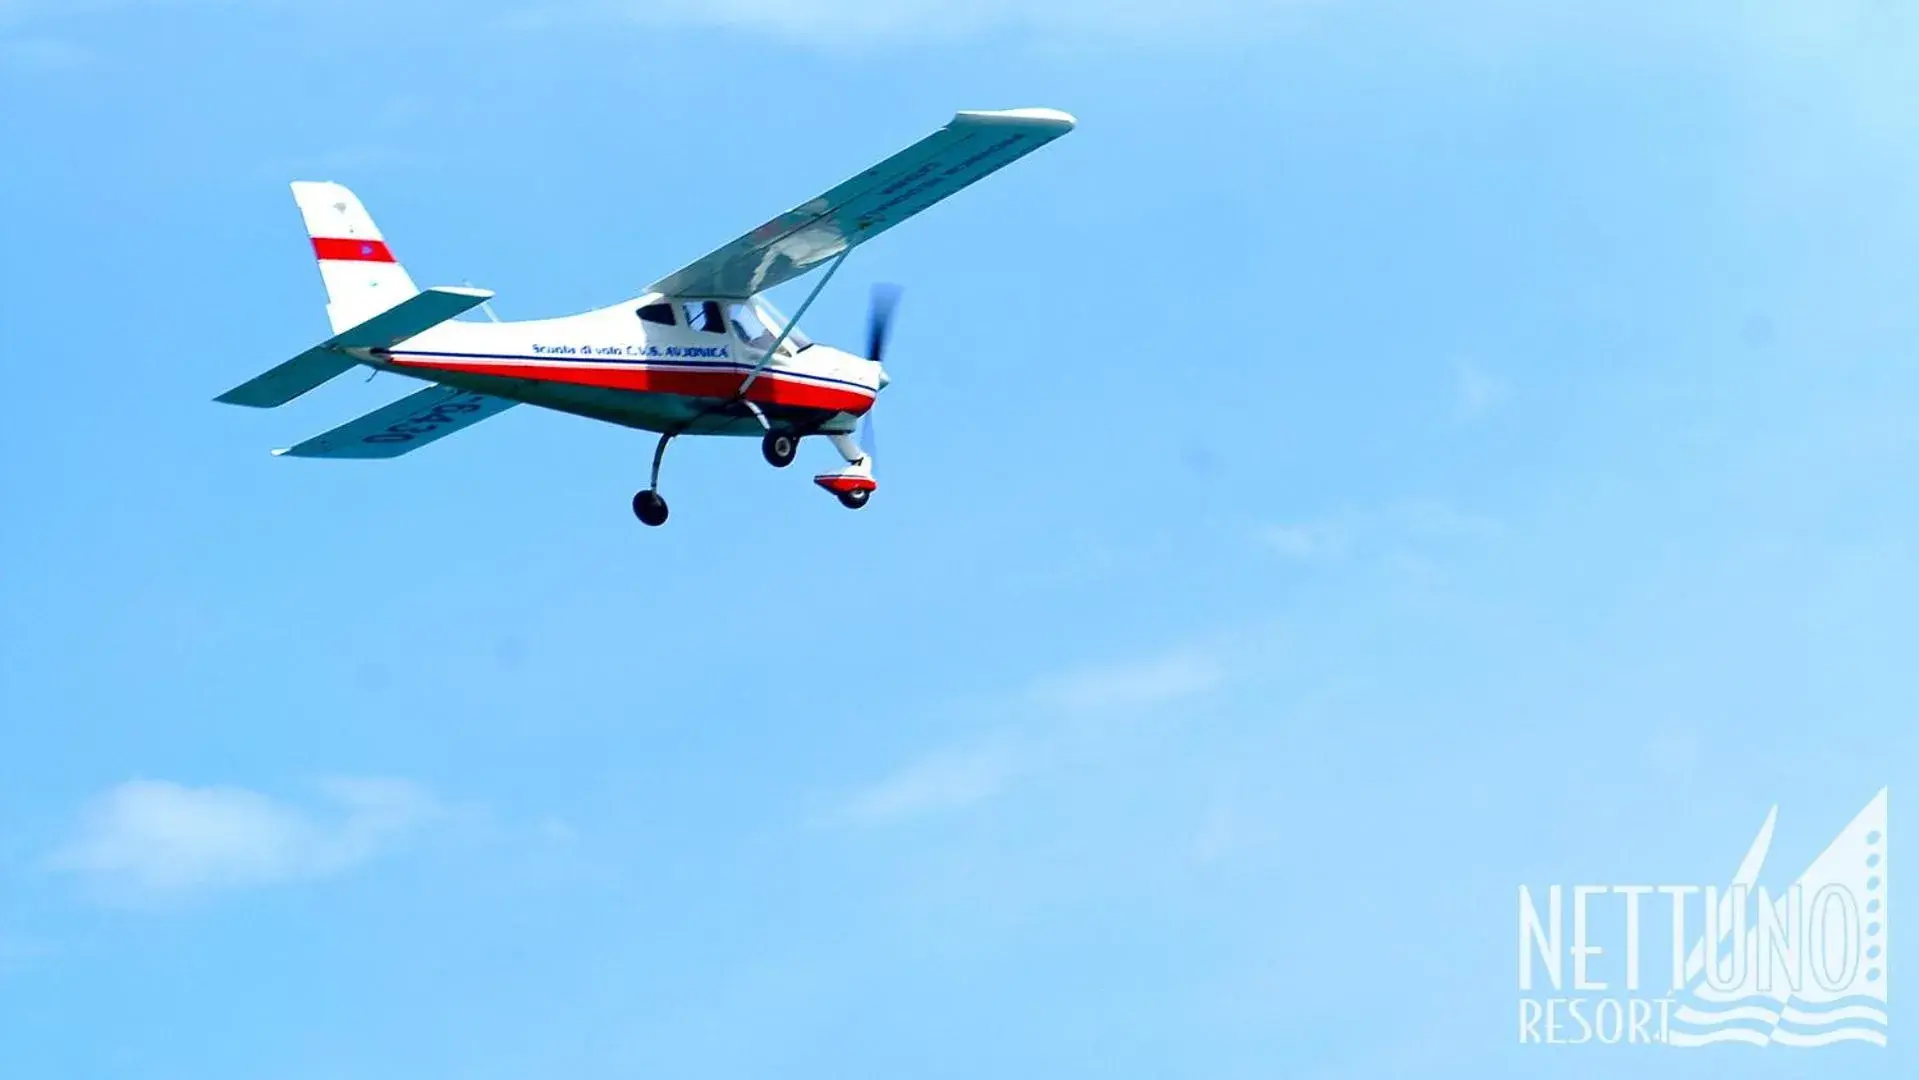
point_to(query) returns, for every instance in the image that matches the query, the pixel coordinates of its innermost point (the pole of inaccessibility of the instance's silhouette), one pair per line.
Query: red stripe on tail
(351, 250)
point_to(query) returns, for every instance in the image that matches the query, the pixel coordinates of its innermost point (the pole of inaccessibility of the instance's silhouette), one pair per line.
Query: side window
(704, 316)
(657, 313)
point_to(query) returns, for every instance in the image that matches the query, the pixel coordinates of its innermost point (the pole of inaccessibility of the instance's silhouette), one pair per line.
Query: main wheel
(855, 498)
(649, 507)
(778, 448)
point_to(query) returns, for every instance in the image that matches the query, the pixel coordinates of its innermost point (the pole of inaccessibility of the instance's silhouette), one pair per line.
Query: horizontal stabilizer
(407, 424)
(414, 315)
(289, 380)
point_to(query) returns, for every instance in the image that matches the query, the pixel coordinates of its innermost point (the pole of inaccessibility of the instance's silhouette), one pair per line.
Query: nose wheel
(852, 488)
(778, 448)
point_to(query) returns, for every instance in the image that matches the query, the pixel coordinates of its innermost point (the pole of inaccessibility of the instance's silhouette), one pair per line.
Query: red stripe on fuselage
(347, 249)
(768, 389)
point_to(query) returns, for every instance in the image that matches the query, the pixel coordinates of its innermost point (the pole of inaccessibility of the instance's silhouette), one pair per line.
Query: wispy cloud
(1768, 30)
(948, 780)
(337, 162)
(1477, 392)
(1057, 707)
(1409, 523)
(1225, 828)
(44, 56)
(1307, 541)
(17, 953)
(146, 840)
(842, 23)
(1141, 684)
(1437, 519)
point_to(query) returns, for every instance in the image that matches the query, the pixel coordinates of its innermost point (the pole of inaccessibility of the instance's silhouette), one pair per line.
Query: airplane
(701, 352)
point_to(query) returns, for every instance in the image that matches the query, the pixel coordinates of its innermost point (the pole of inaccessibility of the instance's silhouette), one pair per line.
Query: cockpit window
(771, 316)
(704, 316)
(657, 313)
(749, 327)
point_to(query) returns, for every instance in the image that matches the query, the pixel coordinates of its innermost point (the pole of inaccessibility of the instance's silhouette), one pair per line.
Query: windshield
(749, 326)
(771, 316)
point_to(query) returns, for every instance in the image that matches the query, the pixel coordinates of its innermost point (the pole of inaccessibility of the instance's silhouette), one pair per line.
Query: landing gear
(778, 448)
(647, 505)
(853, 485)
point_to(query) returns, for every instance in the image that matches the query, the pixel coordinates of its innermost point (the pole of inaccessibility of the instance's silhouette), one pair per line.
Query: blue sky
(1382, 458)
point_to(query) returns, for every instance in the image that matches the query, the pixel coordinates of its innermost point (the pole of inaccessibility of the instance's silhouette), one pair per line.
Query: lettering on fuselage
(638, 352)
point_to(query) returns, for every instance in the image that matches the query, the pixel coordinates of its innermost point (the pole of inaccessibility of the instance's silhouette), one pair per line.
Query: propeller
(879, 323)
(879, 319)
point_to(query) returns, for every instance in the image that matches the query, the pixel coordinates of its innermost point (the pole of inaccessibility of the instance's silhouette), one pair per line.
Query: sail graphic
(1803, 968)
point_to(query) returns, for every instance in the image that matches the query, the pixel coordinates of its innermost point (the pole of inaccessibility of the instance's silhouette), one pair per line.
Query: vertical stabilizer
(362, 279)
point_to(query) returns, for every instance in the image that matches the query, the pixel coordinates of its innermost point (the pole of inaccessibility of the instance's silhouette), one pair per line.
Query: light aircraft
(702, 352)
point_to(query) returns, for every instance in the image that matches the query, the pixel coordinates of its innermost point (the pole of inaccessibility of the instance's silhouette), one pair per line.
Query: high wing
(971, 146)
(407, 424)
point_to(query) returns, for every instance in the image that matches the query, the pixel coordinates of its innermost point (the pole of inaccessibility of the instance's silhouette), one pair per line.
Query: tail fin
(361, 278)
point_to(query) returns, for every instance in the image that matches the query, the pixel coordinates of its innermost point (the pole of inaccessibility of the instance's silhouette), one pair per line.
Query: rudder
(361, 277)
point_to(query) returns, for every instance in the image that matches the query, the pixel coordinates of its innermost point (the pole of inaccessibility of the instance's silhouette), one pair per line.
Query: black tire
(854, 499)
(649, 507)
(778, 448)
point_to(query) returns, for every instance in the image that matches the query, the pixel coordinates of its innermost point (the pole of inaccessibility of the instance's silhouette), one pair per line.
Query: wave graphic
(1779, 1037)
(1790, 1012)
(1765, 1014)
(1811, 1017)
(1719, 1035)
(1783, 1037)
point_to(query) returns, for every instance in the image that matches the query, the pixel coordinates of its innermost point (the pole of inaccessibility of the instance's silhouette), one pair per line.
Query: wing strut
(767, 356)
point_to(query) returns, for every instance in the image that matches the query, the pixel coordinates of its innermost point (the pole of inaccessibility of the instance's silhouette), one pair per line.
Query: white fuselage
(687, 365)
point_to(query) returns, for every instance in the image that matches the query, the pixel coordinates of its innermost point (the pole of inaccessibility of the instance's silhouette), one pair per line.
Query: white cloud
(1309, 541)
(1435, 519)
(1140, 684)
(1389, 531)
(962, 777)
(44, 56)
(1768, 30)
(17, 954)
(852, 23)
(945, 781)
(1675, 753)
(151, 839)
(1225, 829)
(1477, 391)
